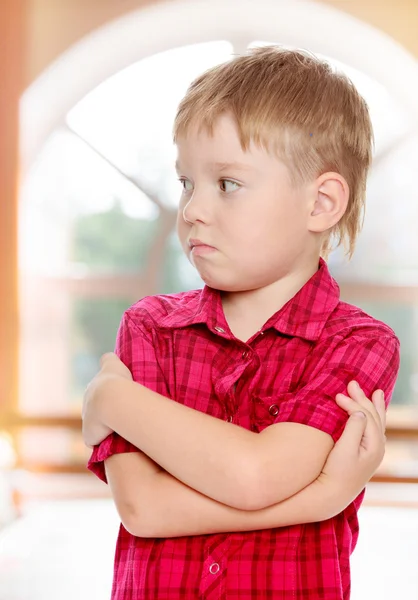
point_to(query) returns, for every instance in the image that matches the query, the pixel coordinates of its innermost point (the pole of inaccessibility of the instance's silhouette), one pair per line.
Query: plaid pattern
(180, 346)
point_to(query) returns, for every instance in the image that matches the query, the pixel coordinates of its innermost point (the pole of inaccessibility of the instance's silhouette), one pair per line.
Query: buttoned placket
(246, 355)
(212, 585)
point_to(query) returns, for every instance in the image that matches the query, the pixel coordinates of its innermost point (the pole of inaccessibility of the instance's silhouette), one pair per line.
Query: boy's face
(241, 206)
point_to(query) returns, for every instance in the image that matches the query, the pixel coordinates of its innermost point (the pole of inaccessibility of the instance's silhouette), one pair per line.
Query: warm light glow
(7, 452)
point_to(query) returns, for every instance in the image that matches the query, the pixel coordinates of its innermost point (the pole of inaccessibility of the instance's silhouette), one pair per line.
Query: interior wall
(397, 18)
(11, 86)
(54, 25)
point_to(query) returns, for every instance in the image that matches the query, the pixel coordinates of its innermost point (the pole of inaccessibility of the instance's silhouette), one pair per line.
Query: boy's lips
(198, 247)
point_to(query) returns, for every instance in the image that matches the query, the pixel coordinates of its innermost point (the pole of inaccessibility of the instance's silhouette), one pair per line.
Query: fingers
(357, 394)
(378, 399)
(105, 358)
(110, 363)
(353, 433)
(376, 406)
(351, 405)
(373, 431)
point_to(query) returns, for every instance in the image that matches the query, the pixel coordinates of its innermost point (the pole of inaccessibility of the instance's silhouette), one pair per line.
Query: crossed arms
(199, 475)
(153, 503)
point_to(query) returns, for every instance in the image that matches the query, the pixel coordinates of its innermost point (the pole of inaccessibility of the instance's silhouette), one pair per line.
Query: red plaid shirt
(180, 346)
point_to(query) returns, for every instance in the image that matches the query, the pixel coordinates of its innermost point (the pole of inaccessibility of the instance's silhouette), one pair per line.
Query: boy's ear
(329, 203)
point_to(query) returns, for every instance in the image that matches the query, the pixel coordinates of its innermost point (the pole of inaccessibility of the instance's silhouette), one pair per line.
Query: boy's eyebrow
(224, 166)
(237, 166)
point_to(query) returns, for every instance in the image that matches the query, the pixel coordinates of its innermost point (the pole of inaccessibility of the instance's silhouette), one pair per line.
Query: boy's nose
(195, 210)
(185, 216)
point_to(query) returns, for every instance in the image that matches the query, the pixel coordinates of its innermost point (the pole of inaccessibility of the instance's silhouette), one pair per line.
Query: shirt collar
(196, 307)
(302, 316)
(306, 314)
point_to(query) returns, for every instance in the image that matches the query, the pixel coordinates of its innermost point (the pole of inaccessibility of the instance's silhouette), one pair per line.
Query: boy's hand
(373, 439)
(110, 364)
(94, 431)
(361, 447)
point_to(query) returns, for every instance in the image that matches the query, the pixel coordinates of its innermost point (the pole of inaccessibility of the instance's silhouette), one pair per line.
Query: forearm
(203, 452)
(168, 508)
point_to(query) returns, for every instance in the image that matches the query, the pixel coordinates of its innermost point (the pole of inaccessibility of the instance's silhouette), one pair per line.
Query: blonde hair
(296, 105)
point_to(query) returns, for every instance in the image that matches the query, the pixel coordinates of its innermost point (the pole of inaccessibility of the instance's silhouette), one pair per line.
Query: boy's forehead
(222, 159)
(218, 148)
(210, 163)
(221, 165)
(223, 129)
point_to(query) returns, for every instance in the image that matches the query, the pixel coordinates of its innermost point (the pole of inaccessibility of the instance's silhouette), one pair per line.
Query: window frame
(114, 46)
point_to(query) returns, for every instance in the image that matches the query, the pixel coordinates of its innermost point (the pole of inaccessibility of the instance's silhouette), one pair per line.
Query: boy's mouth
(199, 247)
(194, 243)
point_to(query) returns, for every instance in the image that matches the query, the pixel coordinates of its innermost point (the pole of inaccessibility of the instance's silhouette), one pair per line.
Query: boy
(235, 490)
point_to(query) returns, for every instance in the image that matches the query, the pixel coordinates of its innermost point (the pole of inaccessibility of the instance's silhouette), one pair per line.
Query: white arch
(166, 25)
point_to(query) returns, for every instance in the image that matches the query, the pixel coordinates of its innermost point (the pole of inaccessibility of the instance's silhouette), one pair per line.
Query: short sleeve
(135, 350)
(372, 361)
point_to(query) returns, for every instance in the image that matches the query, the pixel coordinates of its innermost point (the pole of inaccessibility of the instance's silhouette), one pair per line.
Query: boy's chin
(215, 282)
(227, 286)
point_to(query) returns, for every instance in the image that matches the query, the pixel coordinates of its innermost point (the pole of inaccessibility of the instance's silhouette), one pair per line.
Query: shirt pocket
(266, 409)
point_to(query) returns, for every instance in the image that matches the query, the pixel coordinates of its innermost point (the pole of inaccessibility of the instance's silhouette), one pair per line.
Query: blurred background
(88, 200)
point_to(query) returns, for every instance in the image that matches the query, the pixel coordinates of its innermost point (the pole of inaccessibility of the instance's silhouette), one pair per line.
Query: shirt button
(274, 410)
(230, 419)
(214, 568)
(245, 354)
(220, 329)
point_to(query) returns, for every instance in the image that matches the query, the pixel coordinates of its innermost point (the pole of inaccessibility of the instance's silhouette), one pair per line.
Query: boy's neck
(246, 312)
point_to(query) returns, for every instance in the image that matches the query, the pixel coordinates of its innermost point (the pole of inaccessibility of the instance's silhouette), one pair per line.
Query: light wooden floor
(64, 551)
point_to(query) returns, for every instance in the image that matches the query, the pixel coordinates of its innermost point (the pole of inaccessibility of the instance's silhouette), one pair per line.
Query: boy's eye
(227, 185)
(186, 185)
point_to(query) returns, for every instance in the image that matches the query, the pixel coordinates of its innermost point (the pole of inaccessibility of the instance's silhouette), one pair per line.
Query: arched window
(99, 199)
